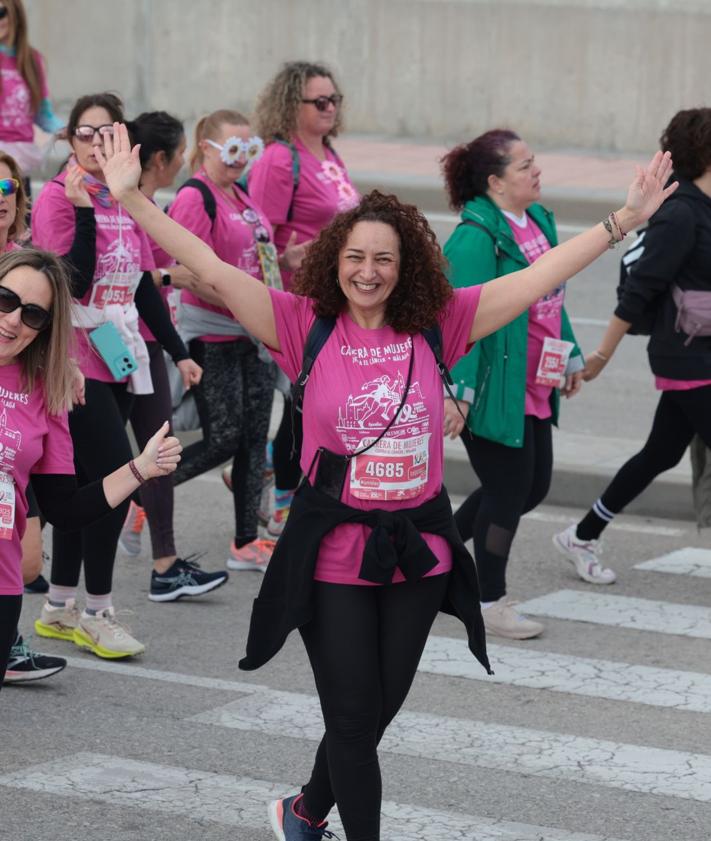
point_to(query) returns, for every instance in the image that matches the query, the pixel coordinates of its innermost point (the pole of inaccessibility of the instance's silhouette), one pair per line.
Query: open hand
(293, 254)
(119, 162)
(160, 455)
(648, 191)
(74, 188)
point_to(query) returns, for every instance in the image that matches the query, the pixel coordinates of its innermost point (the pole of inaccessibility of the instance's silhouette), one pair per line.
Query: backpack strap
(320, 330)
(433, 337)
(208, 199)
(295, 172)
(472, 224)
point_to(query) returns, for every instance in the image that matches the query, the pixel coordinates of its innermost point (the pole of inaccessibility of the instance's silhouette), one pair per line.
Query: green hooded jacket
(492, 376)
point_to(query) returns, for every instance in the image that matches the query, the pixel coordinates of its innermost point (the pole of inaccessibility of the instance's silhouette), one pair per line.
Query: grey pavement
(155, 749)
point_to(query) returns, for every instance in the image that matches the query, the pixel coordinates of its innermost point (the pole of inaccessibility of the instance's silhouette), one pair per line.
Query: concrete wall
(566, 73)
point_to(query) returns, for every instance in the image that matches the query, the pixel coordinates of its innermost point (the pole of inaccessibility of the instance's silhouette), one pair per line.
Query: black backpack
(643, 325)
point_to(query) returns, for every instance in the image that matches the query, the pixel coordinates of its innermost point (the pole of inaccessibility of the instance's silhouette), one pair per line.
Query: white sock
(60, 595)
(485, 605)
(95, 604)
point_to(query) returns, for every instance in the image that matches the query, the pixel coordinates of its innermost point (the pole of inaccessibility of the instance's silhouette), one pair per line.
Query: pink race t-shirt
(123, 253)
(31, 441)
(16, 113)
(544, 317)
(355, 387)
(324, 190)
(232, 236)
(665, 384)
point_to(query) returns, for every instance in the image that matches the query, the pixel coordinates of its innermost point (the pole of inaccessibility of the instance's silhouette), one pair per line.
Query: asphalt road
(594, 731)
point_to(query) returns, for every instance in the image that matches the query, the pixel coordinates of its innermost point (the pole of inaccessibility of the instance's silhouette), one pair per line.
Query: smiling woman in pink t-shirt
(373, 502)
(302, 184)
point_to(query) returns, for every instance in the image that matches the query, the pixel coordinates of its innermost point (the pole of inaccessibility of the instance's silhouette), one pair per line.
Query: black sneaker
(26, 665)
(184, 578)
(39, 585)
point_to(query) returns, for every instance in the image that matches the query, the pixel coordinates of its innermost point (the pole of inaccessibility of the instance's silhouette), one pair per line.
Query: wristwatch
(165, 277)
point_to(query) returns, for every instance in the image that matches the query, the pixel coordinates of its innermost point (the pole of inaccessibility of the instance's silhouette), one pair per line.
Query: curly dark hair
(422, 291)
(467, 168)
(688, 138)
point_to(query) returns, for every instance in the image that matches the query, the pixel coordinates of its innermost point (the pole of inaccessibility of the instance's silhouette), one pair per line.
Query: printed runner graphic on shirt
(10, 446)
(396, 467)
(118, 270)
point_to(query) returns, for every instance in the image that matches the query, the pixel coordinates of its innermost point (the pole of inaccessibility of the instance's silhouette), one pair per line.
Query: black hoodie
(676, 250)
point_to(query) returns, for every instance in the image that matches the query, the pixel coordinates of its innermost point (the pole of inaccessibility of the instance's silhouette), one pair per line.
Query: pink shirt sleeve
(188, 209)
(456, 323)
(58, 452)
(271, 183)
(293, 315)
(53, 219)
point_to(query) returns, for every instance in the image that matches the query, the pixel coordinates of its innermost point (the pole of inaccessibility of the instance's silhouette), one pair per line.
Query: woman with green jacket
(508, 387)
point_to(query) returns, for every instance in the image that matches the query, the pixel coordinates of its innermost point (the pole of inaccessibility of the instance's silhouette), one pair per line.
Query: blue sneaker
(288, 826)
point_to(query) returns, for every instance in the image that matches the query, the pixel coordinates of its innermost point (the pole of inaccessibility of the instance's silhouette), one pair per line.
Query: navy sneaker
(39, 585)
(184, 578)
(288, 826)
(26, 665)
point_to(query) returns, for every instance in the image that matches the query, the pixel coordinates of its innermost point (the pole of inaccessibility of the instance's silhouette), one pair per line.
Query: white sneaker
(582, 554)
(58, 623)
(502, 620)
(105, 636)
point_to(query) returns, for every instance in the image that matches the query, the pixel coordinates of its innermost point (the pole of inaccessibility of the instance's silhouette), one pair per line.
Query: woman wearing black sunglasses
(118, 288)
(301, 184)
(36, 385)
(24, 96)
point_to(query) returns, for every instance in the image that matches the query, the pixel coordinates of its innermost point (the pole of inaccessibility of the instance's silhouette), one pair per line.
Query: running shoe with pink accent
(583, 555)
(290, 826)
(130, 539)
(254, 555)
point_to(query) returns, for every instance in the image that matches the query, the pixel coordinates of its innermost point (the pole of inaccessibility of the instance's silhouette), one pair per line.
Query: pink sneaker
(254, 555)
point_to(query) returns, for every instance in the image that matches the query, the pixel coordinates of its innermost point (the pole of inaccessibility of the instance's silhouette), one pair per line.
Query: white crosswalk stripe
(585, 676)
(623, 612)
(688, 561)
(487, 745)
(241, 801)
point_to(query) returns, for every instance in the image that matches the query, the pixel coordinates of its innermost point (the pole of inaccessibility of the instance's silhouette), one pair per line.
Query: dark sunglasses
(322, 102)
(3, 12)
(85, 134)
(8, 186)
(32, 315)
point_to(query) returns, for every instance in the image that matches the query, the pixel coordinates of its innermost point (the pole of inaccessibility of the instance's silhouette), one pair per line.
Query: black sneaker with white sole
(184, 578)
(26, 665)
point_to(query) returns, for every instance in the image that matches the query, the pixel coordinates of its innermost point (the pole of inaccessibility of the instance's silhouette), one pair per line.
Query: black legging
(364, 644)
(101, 446)
(514, 480)
(10, 607)
(286, 450)
(679, 415)
(234, 402)
(148, 413)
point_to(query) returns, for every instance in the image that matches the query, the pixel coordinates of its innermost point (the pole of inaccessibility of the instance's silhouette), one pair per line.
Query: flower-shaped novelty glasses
(236, 151)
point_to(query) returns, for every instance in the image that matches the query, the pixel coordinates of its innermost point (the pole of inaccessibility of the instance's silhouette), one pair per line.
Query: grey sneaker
(130, 538)
(502, 620)
(583, 555)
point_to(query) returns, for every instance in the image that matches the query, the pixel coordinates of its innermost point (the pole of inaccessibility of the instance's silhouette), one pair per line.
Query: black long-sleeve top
(67, 506)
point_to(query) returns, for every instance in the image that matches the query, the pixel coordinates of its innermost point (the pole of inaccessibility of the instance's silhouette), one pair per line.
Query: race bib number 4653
(395, 468)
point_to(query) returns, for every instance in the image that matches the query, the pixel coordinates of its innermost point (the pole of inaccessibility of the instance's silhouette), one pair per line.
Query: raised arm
(506, 297)
(246, 297)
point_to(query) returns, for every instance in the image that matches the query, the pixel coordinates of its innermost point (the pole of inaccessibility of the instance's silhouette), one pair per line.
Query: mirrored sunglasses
(85, 134)
(32, 315)
(8, 186)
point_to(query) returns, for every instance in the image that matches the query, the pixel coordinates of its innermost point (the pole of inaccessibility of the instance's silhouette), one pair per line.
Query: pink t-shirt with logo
(324, 190)
(31, 441)
(544, 317)
(123, 253)
(355, 387)
(16, 113)
(232, 237)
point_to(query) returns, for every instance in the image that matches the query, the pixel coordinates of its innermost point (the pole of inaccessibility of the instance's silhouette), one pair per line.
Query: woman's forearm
(506, 297)
(614, 333)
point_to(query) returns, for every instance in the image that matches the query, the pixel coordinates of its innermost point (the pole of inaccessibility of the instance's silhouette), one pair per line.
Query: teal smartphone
(112, 349)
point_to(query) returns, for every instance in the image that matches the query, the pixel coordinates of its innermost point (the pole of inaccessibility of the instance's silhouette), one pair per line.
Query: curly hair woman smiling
(370, 552)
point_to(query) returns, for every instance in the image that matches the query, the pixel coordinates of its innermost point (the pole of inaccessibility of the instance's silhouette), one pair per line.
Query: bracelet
(600, 356)
(612, 226)
(137, 473)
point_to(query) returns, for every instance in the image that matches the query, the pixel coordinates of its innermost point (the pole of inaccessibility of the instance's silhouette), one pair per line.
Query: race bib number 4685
(395, 468)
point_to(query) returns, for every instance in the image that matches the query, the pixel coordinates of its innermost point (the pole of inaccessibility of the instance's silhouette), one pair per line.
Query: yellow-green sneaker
(105, 636)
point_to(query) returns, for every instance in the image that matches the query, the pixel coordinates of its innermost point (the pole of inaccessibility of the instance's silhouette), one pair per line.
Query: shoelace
(191, 561)
(23, 651)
